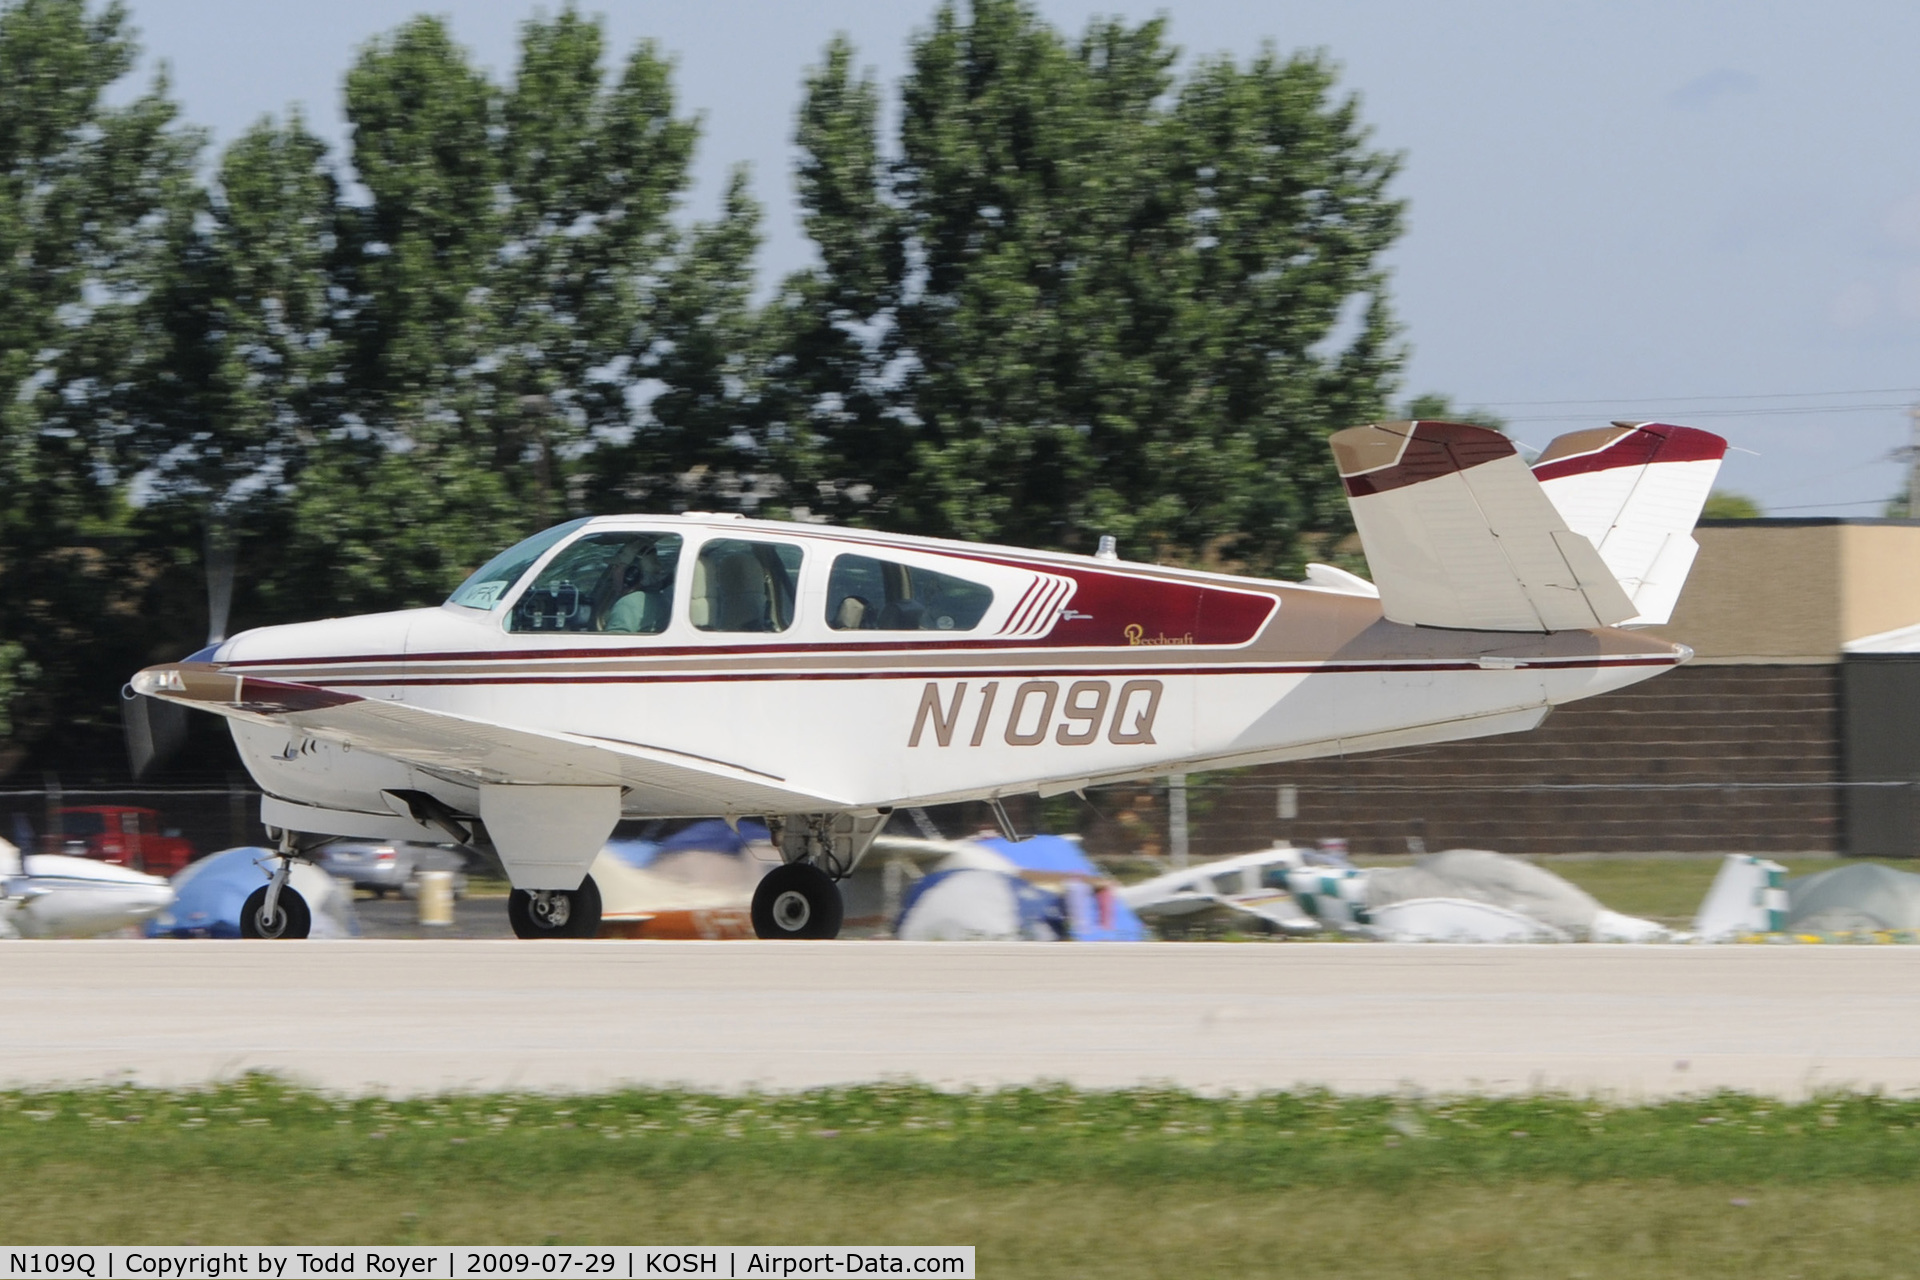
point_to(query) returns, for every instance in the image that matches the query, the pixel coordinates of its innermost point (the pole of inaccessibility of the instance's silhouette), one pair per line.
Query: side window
(619, 583)
(744, 586)
(864, 594)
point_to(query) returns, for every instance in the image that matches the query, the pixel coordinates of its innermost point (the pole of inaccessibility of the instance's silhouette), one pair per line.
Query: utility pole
(1177, 818)
(1913, 464)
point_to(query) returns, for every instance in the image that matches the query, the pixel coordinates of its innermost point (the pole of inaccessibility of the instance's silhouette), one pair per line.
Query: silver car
(381, 867)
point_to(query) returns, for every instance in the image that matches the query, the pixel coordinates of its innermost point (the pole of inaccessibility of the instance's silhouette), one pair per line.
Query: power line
(1806, 410)
(1774, 395)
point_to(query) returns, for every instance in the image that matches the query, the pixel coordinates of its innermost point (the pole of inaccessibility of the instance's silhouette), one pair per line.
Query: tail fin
(1458, 533)
(1634, 490)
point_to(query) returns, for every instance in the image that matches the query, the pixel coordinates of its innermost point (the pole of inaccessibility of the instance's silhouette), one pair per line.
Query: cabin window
(617, 583)
(744, 586)
(491, 581)
(864, 594)
(1229, 884)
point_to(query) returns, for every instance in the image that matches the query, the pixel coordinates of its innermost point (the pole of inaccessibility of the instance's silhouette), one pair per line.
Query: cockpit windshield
(496, 577)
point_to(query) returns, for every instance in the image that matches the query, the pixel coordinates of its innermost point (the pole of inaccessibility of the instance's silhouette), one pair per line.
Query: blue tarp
(1054, 855)
(716, 836)
(974, 903)
(209, 893)
(1094, 912)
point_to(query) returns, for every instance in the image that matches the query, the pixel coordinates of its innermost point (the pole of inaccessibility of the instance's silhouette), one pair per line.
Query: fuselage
(873, 670)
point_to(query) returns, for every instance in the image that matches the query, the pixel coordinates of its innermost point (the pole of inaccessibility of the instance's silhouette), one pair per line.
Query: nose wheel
(555, 913)
(276, 909)
(797, 900)
(290, 917)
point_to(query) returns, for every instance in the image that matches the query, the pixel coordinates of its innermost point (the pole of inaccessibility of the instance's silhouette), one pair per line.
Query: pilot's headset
(648, 572)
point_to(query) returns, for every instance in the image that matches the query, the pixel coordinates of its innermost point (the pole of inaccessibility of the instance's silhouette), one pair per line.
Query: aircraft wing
(477, 751)
(1459, 533)
(1186, 907)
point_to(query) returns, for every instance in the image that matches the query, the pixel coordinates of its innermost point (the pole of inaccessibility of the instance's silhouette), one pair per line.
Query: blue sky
(1704, 212)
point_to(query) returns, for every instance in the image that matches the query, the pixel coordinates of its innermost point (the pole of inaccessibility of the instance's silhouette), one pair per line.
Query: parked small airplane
(698, 665)
(53, 895)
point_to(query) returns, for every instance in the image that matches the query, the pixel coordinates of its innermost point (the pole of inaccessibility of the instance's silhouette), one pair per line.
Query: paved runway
(1629, 1022)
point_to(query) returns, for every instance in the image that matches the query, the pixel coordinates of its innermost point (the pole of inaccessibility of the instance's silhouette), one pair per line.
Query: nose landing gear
(276, 909)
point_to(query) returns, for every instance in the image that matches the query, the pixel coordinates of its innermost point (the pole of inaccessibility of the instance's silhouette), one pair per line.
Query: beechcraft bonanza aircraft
(694, 665)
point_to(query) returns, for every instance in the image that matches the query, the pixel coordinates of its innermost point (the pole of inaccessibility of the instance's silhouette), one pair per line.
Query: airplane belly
(293, 765)
(1270, 713)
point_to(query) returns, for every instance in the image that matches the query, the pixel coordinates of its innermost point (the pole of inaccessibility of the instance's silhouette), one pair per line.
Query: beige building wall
(1793, 592)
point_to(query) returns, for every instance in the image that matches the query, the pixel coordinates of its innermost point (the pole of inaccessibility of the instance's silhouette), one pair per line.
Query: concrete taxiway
(1628, 1022)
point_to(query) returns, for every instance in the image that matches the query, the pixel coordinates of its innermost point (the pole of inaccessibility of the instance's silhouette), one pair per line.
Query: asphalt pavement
(414, 1016)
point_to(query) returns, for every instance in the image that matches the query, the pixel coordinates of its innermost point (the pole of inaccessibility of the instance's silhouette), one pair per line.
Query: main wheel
(555, 913)
(292, 918)
(797, 900)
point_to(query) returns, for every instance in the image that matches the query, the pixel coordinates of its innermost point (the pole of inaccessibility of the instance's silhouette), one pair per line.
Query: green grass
(1045, 1182)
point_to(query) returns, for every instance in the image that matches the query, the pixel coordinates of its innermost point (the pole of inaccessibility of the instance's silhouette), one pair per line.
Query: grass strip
(1045, 1181)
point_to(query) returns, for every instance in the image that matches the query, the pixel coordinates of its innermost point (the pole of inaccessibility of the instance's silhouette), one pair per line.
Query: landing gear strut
(801, 899)
(276, 909)
(555, 913)
(797, 900)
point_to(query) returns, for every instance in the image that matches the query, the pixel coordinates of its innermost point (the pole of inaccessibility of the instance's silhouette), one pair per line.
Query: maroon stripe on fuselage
(1013, 614)
(953, 673)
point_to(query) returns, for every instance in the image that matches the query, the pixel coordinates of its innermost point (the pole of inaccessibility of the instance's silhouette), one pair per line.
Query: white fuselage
(1074, 675)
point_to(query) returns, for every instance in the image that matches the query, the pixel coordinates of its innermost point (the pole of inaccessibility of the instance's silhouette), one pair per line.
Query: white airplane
(1249, 890)
(52, 895)
(701, 665)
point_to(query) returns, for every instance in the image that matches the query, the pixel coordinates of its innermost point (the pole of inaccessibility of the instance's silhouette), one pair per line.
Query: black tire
(797, 900)
(579, 909)
(293, 917)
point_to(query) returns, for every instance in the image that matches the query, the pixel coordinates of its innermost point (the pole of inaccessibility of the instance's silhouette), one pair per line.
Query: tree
(1084, 299)
(91, 195)
(1722, 505)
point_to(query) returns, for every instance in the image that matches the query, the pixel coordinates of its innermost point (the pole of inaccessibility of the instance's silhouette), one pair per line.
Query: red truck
(121, 834)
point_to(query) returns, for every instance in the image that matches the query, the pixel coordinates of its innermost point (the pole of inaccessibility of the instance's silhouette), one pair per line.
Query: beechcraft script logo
(1137, 634)
(1075, 716)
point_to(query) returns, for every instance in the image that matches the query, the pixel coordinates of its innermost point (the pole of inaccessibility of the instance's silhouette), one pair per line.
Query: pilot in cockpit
(641, 595)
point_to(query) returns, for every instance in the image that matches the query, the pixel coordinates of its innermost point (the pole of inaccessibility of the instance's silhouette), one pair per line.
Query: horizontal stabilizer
(1635, 490)
(1458, 533)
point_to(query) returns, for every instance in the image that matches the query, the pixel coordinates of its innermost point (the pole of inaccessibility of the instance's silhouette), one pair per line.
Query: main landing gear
(800, 898)
(797, 900)
(276, 909)
(555, 913)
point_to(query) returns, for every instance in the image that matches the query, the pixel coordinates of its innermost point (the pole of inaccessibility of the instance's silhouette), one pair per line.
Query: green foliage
(1076, 295)
(1085, 299)
(1722, 505)
(92, 197)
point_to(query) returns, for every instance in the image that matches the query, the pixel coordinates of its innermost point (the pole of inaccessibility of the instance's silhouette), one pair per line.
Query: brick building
(1754, 746)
